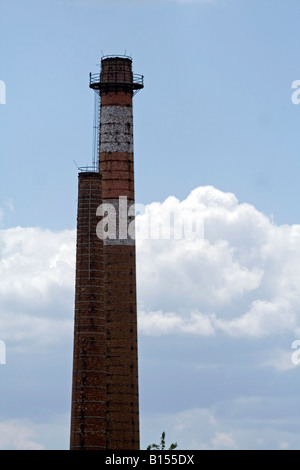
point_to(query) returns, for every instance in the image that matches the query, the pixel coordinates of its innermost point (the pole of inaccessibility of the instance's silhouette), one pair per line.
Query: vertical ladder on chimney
(96, 137)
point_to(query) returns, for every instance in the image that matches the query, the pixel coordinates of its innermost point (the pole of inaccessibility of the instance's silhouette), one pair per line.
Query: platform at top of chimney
(115, 75)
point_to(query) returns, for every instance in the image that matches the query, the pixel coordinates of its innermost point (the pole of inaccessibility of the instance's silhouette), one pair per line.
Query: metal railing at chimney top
(137, 80)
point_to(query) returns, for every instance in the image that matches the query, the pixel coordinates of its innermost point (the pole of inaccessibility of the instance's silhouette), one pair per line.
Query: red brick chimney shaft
(117, 171)
(88, 414)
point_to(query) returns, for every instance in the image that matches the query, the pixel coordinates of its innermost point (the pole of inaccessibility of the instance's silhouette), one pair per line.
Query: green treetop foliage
(162, 444)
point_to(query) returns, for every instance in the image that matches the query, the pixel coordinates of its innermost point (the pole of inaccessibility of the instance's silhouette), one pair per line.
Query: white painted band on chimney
(116, 129)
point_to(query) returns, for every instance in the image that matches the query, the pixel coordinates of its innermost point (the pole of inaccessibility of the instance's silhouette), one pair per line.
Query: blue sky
(215, 127)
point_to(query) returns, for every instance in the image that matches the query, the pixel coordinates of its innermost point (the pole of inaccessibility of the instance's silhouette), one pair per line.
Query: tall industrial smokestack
(105, 400)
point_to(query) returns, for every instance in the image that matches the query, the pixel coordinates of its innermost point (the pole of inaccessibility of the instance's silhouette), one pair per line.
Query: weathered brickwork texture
(105, 395)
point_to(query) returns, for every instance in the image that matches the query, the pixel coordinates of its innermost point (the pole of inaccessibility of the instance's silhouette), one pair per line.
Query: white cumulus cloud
(36, 285)
(15, 435)
(242, 279)
(224, 440)
(238, 276)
